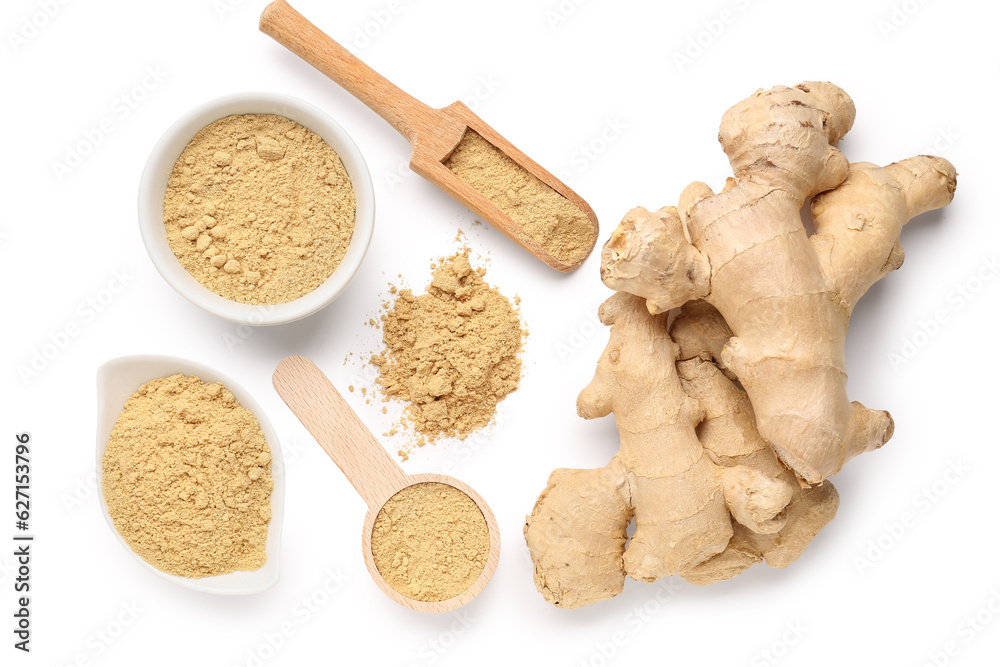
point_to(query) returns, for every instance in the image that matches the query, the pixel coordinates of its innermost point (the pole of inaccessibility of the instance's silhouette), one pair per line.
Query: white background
(555, 83)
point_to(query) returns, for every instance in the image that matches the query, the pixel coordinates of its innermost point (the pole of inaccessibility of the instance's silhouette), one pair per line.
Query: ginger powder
(187, 479)
(430, 542)
(451, 354)
(552, 221)
(259, 209)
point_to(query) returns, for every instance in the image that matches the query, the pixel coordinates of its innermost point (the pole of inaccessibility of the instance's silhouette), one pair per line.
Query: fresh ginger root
(725, 367)
(689, 494)
(577, 532)
(786, 295)
(729, 435)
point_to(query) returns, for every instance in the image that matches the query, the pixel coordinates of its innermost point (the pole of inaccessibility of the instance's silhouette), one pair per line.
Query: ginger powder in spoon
(430, 542)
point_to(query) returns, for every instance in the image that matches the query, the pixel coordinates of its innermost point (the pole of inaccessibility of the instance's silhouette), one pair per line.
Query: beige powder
(430, 542)
(259, 209)
(554, 222)
(451, 354)
(187, 479)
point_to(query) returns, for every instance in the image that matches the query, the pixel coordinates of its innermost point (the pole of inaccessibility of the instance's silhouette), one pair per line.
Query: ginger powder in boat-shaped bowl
(190, 474)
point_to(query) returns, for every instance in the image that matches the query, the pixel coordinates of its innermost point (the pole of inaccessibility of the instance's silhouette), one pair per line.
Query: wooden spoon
(433, 133)
(368, 467)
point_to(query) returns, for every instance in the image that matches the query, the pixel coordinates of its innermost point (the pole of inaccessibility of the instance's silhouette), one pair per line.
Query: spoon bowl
(442, 605)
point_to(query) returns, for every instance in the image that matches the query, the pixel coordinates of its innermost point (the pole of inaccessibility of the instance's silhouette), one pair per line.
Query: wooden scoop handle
(407, 114)
(338, 430)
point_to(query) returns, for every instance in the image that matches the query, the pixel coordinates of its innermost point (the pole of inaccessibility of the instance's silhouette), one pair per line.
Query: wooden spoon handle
(338, 430)
(405, 113)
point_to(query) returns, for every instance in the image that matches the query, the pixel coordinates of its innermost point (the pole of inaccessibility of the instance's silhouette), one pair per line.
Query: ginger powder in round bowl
(259, 209)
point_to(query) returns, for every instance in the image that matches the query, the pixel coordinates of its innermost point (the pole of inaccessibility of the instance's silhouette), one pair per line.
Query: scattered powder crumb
(259, 209)
(430, 542)
(552, 221)
(187, 479)
(350, 387)
(452, 354)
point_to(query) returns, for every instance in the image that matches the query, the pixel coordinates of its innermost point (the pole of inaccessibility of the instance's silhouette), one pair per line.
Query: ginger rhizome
(725, 369)
(786, 295)
(707, 493)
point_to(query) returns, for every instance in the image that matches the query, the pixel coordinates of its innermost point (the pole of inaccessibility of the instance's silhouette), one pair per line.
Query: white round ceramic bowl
(153, 187)
(117, 380)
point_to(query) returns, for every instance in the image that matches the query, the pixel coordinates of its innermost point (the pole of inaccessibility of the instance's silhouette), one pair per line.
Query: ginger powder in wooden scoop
(454, 149)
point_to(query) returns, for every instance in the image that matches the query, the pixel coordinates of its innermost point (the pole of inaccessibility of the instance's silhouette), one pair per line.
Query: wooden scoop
(433, 133)
(368, 467)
